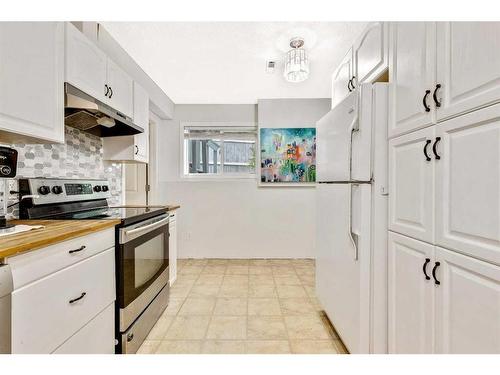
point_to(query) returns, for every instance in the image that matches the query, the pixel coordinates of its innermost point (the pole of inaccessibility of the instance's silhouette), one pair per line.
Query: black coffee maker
(8, 169)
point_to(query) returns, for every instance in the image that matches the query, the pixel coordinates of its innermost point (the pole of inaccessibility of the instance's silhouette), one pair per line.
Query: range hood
(83, 112)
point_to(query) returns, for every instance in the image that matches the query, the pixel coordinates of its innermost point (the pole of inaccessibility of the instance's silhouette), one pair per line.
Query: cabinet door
(468, 184)
(468, 66)
(96, 337)
(410, 295)
(371, 53)
(411, 72)
(141, 118)
(121, 92)
(467, 305)
(85, 64)
(340, 79)
(411, 185)
(32, 81)
(172, 248)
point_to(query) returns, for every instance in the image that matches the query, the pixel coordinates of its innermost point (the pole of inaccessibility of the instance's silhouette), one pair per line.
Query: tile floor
(238, 306)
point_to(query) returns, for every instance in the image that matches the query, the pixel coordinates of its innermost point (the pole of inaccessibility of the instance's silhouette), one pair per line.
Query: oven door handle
(145, 228)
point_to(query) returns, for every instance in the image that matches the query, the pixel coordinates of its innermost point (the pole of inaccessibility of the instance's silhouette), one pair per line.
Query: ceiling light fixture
(296, 62)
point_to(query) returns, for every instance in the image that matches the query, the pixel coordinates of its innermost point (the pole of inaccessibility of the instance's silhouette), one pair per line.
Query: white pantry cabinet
(410, 295)
(467, 305)
(411, 185)
(412, 55)
(32, 82)
(441, 301)
(341, 79)
(468, 184)
(90, 70)
(172, 247)
(370, 53)
(440, 70)
(468, 66)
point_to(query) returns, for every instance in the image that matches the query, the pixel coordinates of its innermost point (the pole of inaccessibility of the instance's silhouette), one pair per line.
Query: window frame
(214, 176)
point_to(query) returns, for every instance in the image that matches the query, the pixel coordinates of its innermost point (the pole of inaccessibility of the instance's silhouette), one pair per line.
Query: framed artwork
(287, 155)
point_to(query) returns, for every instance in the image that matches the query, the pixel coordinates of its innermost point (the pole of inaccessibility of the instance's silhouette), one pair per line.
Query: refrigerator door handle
(354, 127)
(352, 236)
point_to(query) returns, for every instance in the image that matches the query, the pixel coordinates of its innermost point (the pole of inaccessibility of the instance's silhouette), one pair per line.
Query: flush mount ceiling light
(296, 62)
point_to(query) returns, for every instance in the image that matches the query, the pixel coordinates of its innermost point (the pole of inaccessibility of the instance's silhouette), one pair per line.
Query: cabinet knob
(110, 92)
(106, 90)
(434, 147)
(424, 268)
(136, 150)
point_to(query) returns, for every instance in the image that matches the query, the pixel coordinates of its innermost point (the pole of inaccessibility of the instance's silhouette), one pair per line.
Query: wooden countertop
(53, 231)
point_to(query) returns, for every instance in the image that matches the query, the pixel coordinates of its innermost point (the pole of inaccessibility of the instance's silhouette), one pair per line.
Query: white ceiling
(225, 62)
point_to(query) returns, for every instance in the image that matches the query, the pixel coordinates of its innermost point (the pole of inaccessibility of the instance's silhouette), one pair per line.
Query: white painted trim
(154, 123)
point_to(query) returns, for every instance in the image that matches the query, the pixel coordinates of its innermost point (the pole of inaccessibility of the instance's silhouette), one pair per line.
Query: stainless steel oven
(142, 279)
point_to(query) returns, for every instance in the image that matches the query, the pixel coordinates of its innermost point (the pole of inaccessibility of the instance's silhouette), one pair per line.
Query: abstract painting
(287, 155)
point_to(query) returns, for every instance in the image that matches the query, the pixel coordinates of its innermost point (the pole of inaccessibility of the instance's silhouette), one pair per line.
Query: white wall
(238, 219)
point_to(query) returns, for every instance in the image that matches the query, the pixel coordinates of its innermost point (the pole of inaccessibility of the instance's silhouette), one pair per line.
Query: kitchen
(344, 199)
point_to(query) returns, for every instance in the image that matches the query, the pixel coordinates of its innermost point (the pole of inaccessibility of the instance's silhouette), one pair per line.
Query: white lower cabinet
(467, 305)
(67, 304)
(172, 247)
(96, 337)
(441, 301)
(410, 295)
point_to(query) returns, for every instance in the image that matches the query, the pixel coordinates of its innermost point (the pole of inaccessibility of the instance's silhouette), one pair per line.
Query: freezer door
(361, 149)
(333, 141)
(343, 260)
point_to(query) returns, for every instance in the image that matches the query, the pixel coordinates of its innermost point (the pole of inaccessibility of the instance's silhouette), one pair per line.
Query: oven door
(142, 266)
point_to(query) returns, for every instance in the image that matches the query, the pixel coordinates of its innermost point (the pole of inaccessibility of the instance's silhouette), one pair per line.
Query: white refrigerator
(351, 192)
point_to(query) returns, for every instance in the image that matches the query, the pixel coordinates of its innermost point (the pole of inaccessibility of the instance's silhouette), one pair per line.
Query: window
(219, 151)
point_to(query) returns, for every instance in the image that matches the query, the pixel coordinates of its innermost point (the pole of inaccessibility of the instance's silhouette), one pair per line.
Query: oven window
(148, 258)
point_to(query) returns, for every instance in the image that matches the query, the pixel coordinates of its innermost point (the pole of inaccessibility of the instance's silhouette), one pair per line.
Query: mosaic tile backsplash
(80, 157)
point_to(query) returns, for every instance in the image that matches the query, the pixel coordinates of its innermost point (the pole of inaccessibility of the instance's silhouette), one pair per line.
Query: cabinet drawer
(43, 316)
(97, 337)
(34, 265)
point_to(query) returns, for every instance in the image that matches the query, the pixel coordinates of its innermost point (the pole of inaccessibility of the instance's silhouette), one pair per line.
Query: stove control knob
(44, 190)
(105, 188)
(57, 189)
(97, 188)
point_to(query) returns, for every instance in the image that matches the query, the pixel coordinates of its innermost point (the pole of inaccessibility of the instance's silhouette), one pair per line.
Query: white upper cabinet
(468, 184)
(90, 70)
(341, 79)
(85, 64)
(32, 82)
(411, 185)
(120, 95)
(467, 305)
(468, 66)
(410, 295)
(370, 53)
(141, 118)
(412, 76)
